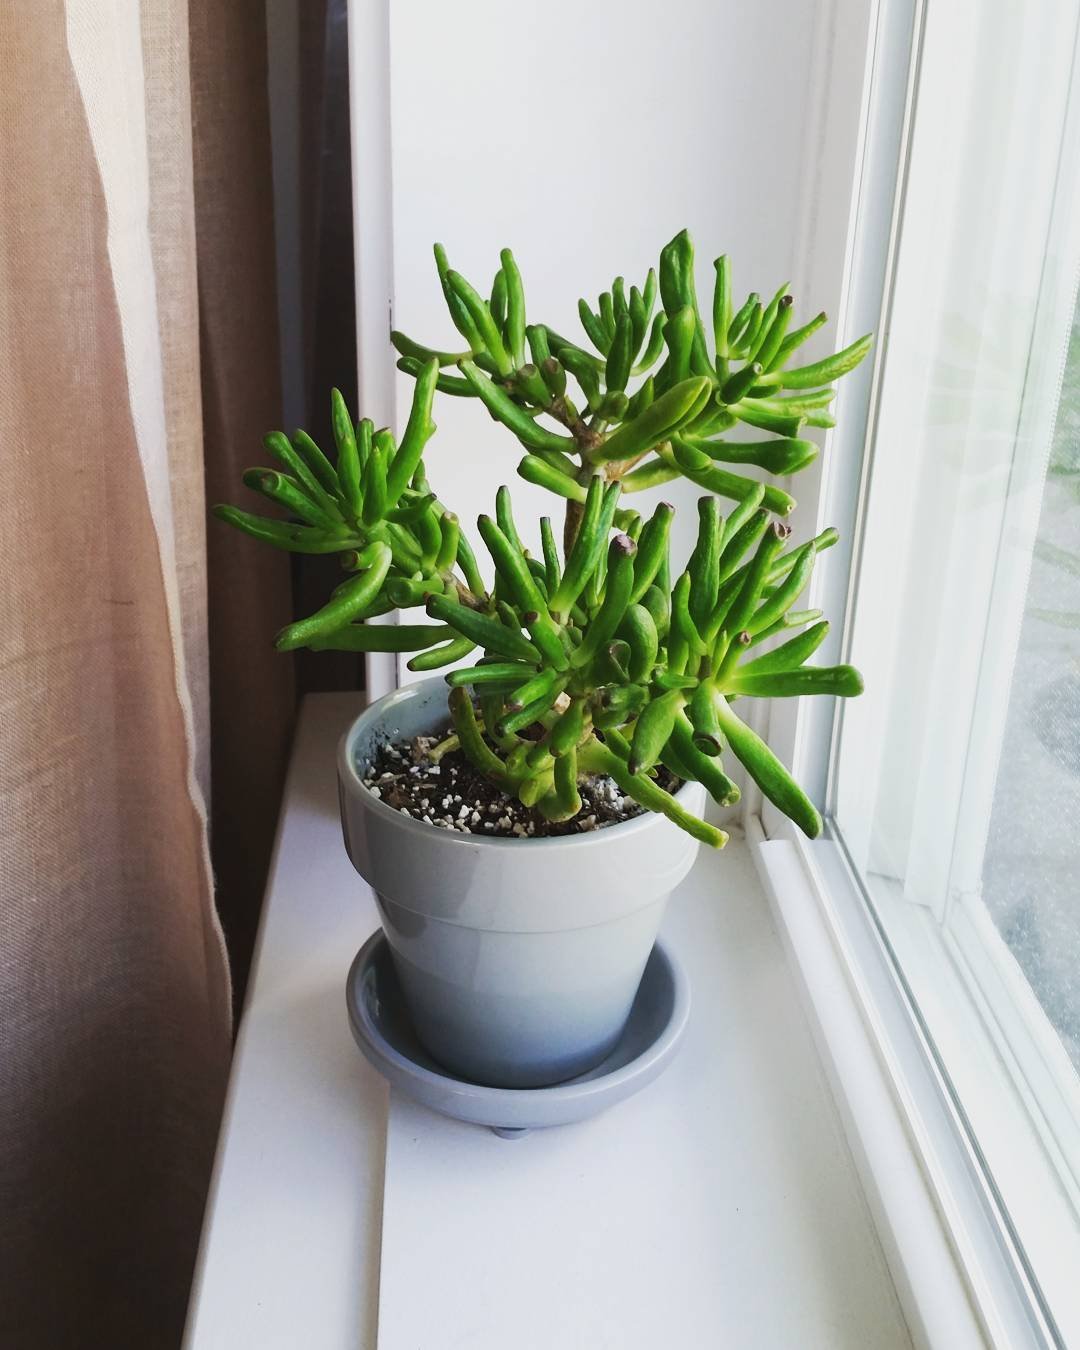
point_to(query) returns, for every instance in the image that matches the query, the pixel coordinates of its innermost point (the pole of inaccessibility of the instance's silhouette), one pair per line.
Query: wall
(583, 136)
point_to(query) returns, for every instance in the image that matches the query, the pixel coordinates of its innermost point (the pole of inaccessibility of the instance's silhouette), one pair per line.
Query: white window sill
(720, 1207)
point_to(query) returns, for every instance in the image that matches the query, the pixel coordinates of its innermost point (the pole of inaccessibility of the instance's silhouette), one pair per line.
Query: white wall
(583, 136)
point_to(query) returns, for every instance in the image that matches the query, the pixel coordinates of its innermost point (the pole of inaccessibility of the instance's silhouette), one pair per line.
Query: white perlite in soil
(453, 795)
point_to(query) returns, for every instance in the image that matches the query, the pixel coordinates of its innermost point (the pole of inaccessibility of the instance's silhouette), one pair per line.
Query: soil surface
(454, 796)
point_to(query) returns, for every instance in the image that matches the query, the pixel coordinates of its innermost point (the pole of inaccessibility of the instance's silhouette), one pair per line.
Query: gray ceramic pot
(519, 958)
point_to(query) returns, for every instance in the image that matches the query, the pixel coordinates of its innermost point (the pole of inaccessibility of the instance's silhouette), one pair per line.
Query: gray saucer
(380, 1024)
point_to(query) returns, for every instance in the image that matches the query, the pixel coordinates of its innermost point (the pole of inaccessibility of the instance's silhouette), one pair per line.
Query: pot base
(382, 1029)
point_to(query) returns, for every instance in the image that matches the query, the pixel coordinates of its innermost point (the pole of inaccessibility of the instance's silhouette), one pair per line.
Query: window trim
(866, 180)
(973, 761)
(961, 1273)
(373, 250)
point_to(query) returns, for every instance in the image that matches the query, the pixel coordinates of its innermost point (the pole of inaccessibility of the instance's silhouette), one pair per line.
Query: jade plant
(593, 658)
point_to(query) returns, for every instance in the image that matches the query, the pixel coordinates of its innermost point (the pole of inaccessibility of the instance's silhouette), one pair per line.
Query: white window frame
(935, 1206)
(373, 249)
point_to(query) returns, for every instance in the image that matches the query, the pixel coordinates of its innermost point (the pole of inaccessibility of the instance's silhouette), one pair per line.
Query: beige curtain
(251, 705)
(114, 985)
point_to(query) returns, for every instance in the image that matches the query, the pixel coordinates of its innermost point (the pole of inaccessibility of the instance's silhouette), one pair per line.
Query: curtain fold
(251, 685)
(327, 292)
(134, 335)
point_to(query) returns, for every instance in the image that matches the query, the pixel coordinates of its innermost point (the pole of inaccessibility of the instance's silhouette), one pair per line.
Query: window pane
(1031, 872)
(956, 785)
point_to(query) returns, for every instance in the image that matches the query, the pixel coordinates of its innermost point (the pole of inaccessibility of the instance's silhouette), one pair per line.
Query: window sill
(721, 1206)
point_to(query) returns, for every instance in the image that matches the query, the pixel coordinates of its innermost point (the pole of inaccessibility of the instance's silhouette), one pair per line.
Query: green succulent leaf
(594, 656)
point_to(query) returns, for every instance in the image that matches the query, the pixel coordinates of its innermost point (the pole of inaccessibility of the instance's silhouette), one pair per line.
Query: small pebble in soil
(453, 795)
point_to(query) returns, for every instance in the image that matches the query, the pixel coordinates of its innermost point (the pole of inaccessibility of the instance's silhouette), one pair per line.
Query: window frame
(866, 186)
(899, 1106)
(368, 35)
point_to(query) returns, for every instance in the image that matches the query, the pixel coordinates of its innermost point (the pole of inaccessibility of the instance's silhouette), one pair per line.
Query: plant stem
(571, 525)
(596, 758)
(444, 747)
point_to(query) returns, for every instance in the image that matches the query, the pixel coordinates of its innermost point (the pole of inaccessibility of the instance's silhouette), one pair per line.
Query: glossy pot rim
(350, 780)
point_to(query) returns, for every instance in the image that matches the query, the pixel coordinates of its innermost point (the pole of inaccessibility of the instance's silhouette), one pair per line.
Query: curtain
(251, 685)
(138, 362)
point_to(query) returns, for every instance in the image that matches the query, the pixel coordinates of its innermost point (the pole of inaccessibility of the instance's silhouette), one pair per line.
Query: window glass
(1031, 870)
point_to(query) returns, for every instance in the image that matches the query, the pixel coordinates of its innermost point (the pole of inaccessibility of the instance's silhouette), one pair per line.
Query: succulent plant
(592, 659)
(673, 424)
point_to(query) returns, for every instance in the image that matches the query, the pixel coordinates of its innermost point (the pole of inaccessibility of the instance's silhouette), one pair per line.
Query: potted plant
(523, 819)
